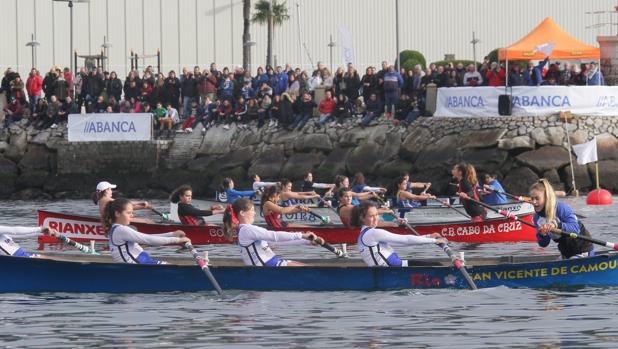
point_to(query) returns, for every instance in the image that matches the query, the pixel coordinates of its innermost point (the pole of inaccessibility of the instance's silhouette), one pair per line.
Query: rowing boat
(433, 213)
(85, 228)
(85, 273)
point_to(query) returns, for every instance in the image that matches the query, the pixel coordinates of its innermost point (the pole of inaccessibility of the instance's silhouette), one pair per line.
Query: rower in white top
(8, 247)
(374, 244)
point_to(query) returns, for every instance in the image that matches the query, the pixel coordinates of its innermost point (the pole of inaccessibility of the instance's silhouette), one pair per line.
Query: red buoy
(599, 197)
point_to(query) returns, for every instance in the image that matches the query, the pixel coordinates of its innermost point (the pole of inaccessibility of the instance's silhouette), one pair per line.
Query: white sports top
(8, 247)
(124, 242)
(254, 247)
(374, 244)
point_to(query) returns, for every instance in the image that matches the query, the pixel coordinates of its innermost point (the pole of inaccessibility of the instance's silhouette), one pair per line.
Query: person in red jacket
(326, 108)
(496, 76)
(34, 84)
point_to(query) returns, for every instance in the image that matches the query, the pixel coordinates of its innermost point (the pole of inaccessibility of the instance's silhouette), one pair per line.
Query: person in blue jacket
(534, 75)
(494, 197)
(227, 185)
(550, 215)
(392, 89)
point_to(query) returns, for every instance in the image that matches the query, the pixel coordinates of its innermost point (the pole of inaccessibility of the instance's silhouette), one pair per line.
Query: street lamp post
(106, 45)
(33, 44)
(71, 28)
(330, 45)
(474, 42)
(250, 44)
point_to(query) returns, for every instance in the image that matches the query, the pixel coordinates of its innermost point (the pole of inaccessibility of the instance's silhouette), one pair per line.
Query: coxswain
(272, 211)
(124, 241)
(495, 195)
(255, 241)
(227, 185)
(374, 244)
(549, 214)
(8, 247)
(103, 196)
(182, 210)
(466, 190)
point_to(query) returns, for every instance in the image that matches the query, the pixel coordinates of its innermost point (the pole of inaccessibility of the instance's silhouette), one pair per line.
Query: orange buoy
(599, 197)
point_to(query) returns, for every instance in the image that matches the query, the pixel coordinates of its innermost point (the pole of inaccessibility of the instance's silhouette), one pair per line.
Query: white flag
(586, 152)
(547, 48)
(347, 46)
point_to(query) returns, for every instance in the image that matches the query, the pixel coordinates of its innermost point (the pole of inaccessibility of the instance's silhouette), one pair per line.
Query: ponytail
(175, 196)
(359, 211)
(230, 221)
(544, 186)
(225, 183)
(109, 213)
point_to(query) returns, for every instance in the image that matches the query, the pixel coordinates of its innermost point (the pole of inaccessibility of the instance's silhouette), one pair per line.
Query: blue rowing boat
(85, 273)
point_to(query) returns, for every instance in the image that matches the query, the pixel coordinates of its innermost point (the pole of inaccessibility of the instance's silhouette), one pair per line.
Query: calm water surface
(489, 318)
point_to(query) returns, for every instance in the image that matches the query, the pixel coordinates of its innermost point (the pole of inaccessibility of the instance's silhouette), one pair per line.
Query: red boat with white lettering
(86, 228)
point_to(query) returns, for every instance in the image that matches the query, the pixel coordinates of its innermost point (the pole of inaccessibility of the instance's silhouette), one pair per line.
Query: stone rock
(238, 174)
(172, 179)
(246, 138)
(364, 158)
(240, 157)
(8, 175)
(414, 143)
(578, 137)
(442, 153)
(394, 168)
(554, 178)
(17, 146)
(607, 147)
(56, 142)
(482, 138)
(269, 162)
(582, 177)
(36, 158)
(282, 136)
(3, 146)
(309, 142)
(519, 180)
(31, 194)
(548, 136)
(217, 141)
(545, 158)
(30, 179)
(202, 164)
(607, 174)
(334, 164)
(73, 183)
(300, 163)
(357, 135)
(485, 160)
(519, 142)
(391, 146)
(41, 137)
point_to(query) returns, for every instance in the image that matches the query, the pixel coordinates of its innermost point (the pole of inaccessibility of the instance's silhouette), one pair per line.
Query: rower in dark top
(466, 190)
(180, 202)
(550, 214)
(272, 211)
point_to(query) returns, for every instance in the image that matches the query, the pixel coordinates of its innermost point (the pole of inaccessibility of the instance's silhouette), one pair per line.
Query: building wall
(190, 32)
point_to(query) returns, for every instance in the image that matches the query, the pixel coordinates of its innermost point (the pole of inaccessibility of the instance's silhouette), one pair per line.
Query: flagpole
(566, 115)
(596, 166)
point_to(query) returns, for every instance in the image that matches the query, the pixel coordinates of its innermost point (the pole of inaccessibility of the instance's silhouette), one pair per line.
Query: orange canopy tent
(566, 47)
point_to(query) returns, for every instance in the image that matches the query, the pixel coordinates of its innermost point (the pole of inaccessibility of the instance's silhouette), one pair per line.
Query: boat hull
(48, 275)
(85, 228)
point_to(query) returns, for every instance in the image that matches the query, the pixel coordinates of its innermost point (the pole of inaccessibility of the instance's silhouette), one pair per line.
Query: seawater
(490, 318)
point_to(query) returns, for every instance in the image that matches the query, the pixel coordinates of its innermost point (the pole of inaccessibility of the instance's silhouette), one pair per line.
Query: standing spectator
(461, 71)
(327, 79)
(172, 90)
(452, 79)
(472, 77)
(496, 76)
(280, 83)
(34, 85)
(392, 88)
(226, 88)
(49, 82)
(553, 72)
(516, 77)
(9, 76)
(534, 74)
(264, 112)
(315, 80)
(441, 76)
(352, 83)
(369, 83)
(286, 111)
(568, 74)
(595, 77)
(380, 80)
(113, 85)
(80, 81)
(293, 86)
(17, 90)
(188, 88)
(338, 82)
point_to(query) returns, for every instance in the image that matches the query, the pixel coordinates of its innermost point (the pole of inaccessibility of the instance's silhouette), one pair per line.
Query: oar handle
(328, 246)
(155, 211)
(204, 266)
(324, 220)
(75, 244)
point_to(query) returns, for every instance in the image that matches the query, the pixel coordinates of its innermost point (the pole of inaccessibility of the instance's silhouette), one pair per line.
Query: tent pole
(506, 82)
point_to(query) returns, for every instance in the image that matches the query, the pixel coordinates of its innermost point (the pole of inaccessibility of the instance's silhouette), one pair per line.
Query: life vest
(258, 253)
(129, 252)
(380, 255)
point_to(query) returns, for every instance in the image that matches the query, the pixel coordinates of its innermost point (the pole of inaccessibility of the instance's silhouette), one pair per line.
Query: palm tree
(272, 13)
(246, 34)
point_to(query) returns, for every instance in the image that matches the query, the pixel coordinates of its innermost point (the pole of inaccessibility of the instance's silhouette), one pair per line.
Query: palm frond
(262, 8)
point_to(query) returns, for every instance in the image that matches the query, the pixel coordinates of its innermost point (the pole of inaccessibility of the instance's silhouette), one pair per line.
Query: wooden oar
(456, 261)
(75, 244)
(327, 246)
(344, 247)
(323, 219)
(507, 214)
(202, 264)
(155, 211)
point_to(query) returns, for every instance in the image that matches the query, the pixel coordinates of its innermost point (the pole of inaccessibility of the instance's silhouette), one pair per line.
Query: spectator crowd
(274, 97)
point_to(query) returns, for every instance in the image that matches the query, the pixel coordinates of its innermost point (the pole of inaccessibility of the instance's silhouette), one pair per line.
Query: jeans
(412, 115)
(33, 101)
(369, 116)
(186, 106)
(324, 118)
(389, 100)
(300, 121)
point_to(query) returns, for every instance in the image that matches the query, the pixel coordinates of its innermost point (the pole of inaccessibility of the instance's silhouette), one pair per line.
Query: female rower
(374, 244)
(495, 196)
(309, 185)
(272, 212)
(405, 199)
(258, 184)
(466, 190)
(344, 182)
(103, 195)
(415, 185)
(292, 198)
(255, 241)
(227, 185)
(550, 214)
(344, 197)
(359, 185)
(182, 210)
(8, 247)
(124, 241)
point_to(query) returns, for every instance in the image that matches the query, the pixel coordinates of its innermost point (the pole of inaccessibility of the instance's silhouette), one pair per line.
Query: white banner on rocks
(528, 100)
(110, 127)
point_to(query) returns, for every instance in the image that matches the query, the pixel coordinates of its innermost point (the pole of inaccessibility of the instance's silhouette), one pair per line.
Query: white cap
(105, 185)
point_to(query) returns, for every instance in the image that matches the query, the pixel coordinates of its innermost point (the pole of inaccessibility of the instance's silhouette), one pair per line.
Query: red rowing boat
(86, 228)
